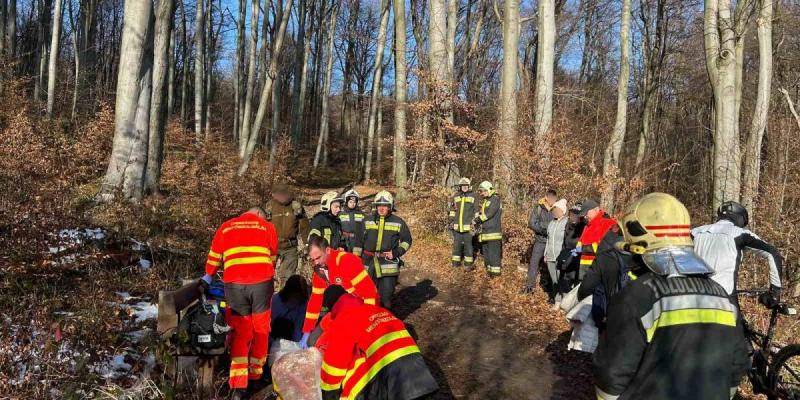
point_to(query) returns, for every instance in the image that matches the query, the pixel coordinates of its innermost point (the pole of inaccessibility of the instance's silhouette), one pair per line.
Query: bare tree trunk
(266, 91)
(185, 67)
(209, 68)
(239, 70)
(11, 28)
(379, 138)
(51, 69)
(376, 88)
(752, 155)
(171, 71)
(199, 69)
(244, 135)
(720, 36)
(545, 65)
(44, 16)
(349, 65)
(400, 93)
(126, 168)
(614, 147)
(437, 52)
(3, 13)
(300, 67)
(507, 132)
(326, 87)
(164, 13)
(452, 24)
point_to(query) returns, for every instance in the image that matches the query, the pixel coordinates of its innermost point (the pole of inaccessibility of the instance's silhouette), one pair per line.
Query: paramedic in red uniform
(245, 249)
(367, 353)
(334, 267)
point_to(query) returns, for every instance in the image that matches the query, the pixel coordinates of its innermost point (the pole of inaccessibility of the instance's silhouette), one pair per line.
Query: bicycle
(775, 371)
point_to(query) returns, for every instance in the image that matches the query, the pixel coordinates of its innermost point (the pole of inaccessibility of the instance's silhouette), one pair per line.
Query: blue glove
(304, 341)
(207, 279)
(574, 252)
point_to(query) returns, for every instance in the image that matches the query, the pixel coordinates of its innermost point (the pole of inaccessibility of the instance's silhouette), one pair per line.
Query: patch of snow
(124, 295)
(137, 245)
(145, 265)
(112, 369)
(56, 250)
(144, 311)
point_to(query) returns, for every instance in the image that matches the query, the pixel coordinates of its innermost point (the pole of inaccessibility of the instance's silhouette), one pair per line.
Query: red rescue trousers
(249, 318)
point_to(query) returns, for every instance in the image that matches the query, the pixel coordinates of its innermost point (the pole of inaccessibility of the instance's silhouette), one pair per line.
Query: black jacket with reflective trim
(670, 338)
(462, 211)
(326, 225)
(383, 234)
(490, 216)
(353, 224)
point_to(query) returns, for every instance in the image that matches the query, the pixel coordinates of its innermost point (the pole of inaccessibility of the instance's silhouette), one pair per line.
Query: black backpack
(203, 328)
(600, 295)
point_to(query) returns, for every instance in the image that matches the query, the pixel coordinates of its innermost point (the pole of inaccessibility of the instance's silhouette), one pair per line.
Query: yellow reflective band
(333, 371)
(256, 371)
(452, 213)
(238, 372)
(594, 247)
(239, 360)
(360, 277)
(344, 218)
(490, 236)
(379, 242)
(327, 234)
(248, 260)
(214, 254)
(312, 315)
(470, 199)
(214, 263)
(339, 258)
(383, 340)
(632, 276)
(393, 228)
(586, 262)
(258, 361)
(377, 367)
(456, 258)
(691, 316)
(317, 290)
(461, 215)
(328, 387)
(351, 290)
(388, 270)
(247, 249)
(314, 232)
(369, 301)
(404, 246)
(468, 259)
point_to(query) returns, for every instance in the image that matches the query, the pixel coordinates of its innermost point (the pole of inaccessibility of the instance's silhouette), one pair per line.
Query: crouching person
(368, 353)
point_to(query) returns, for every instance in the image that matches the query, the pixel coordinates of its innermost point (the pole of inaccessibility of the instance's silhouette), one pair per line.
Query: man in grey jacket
(537, 222)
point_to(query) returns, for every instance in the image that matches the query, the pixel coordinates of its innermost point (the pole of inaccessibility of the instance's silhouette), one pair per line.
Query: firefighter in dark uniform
(671, 333)
(352, 219)
(326, 222)
(291, 222)
(461, 213)
(386, 239)
(489, 218)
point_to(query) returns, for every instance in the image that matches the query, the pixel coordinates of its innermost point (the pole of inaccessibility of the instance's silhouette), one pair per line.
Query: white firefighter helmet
(486, 186)
(657, 227)
(464, 181)
(384, 198)
(351, 193)
(328, 199)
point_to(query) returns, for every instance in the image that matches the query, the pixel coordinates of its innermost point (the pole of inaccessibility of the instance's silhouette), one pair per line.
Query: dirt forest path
(478, 348)
(481, 339)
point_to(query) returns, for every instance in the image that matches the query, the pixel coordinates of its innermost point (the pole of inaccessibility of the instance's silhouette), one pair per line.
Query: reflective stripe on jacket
(491, 216)
(462, 211)
(358, 345)
(324, 224)
(353, 228)
(384, 234)
(245, 248)
(590, 238)
(345, 270)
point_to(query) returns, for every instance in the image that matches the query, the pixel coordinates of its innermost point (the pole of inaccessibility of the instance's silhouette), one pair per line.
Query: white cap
(562, 204)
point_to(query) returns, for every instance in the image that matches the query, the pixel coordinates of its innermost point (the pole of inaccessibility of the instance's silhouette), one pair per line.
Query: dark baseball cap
(587, 205)
(331, 296)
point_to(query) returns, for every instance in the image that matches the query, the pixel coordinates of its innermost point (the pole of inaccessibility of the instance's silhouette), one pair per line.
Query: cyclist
(672, 333)
(722, 243)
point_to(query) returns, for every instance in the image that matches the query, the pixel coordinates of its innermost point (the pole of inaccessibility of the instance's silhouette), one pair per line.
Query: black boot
(239, 394)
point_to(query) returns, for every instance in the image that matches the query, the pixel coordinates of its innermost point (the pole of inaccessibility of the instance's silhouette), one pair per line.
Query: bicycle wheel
(785, 374)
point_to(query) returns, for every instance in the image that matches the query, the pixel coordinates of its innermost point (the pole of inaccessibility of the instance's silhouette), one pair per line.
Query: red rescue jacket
(245, 247)
(346, 270)
(592, 236)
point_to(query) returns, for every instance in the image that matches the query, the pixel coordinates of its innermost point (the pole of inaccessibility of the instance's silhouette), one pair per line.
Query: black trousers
(462, 249)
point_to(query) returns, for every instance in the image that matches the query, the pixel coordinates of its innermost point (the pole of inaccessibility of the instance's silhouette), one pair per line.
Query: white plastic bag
(280, 348)
(295, 375)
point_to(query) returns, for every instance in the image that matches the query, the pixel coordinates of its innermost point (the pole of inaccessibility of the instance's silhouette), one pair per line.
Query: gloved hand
(770, 299)
(205, 281)
(304, 341)
(574, 252)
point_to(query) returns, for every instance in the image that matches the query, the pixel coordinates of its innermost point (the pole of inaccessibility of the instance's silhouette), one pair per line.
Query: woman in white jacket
(555, 240)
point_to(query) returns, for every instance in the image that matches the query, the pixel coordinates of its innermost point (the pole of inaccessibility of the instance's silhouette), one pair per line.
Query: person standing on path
(555, 241)
(490, 221)
(291, 222)
(538, 221)
(461, 212)
(244, 248)
(386, 240)
(352, 219)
